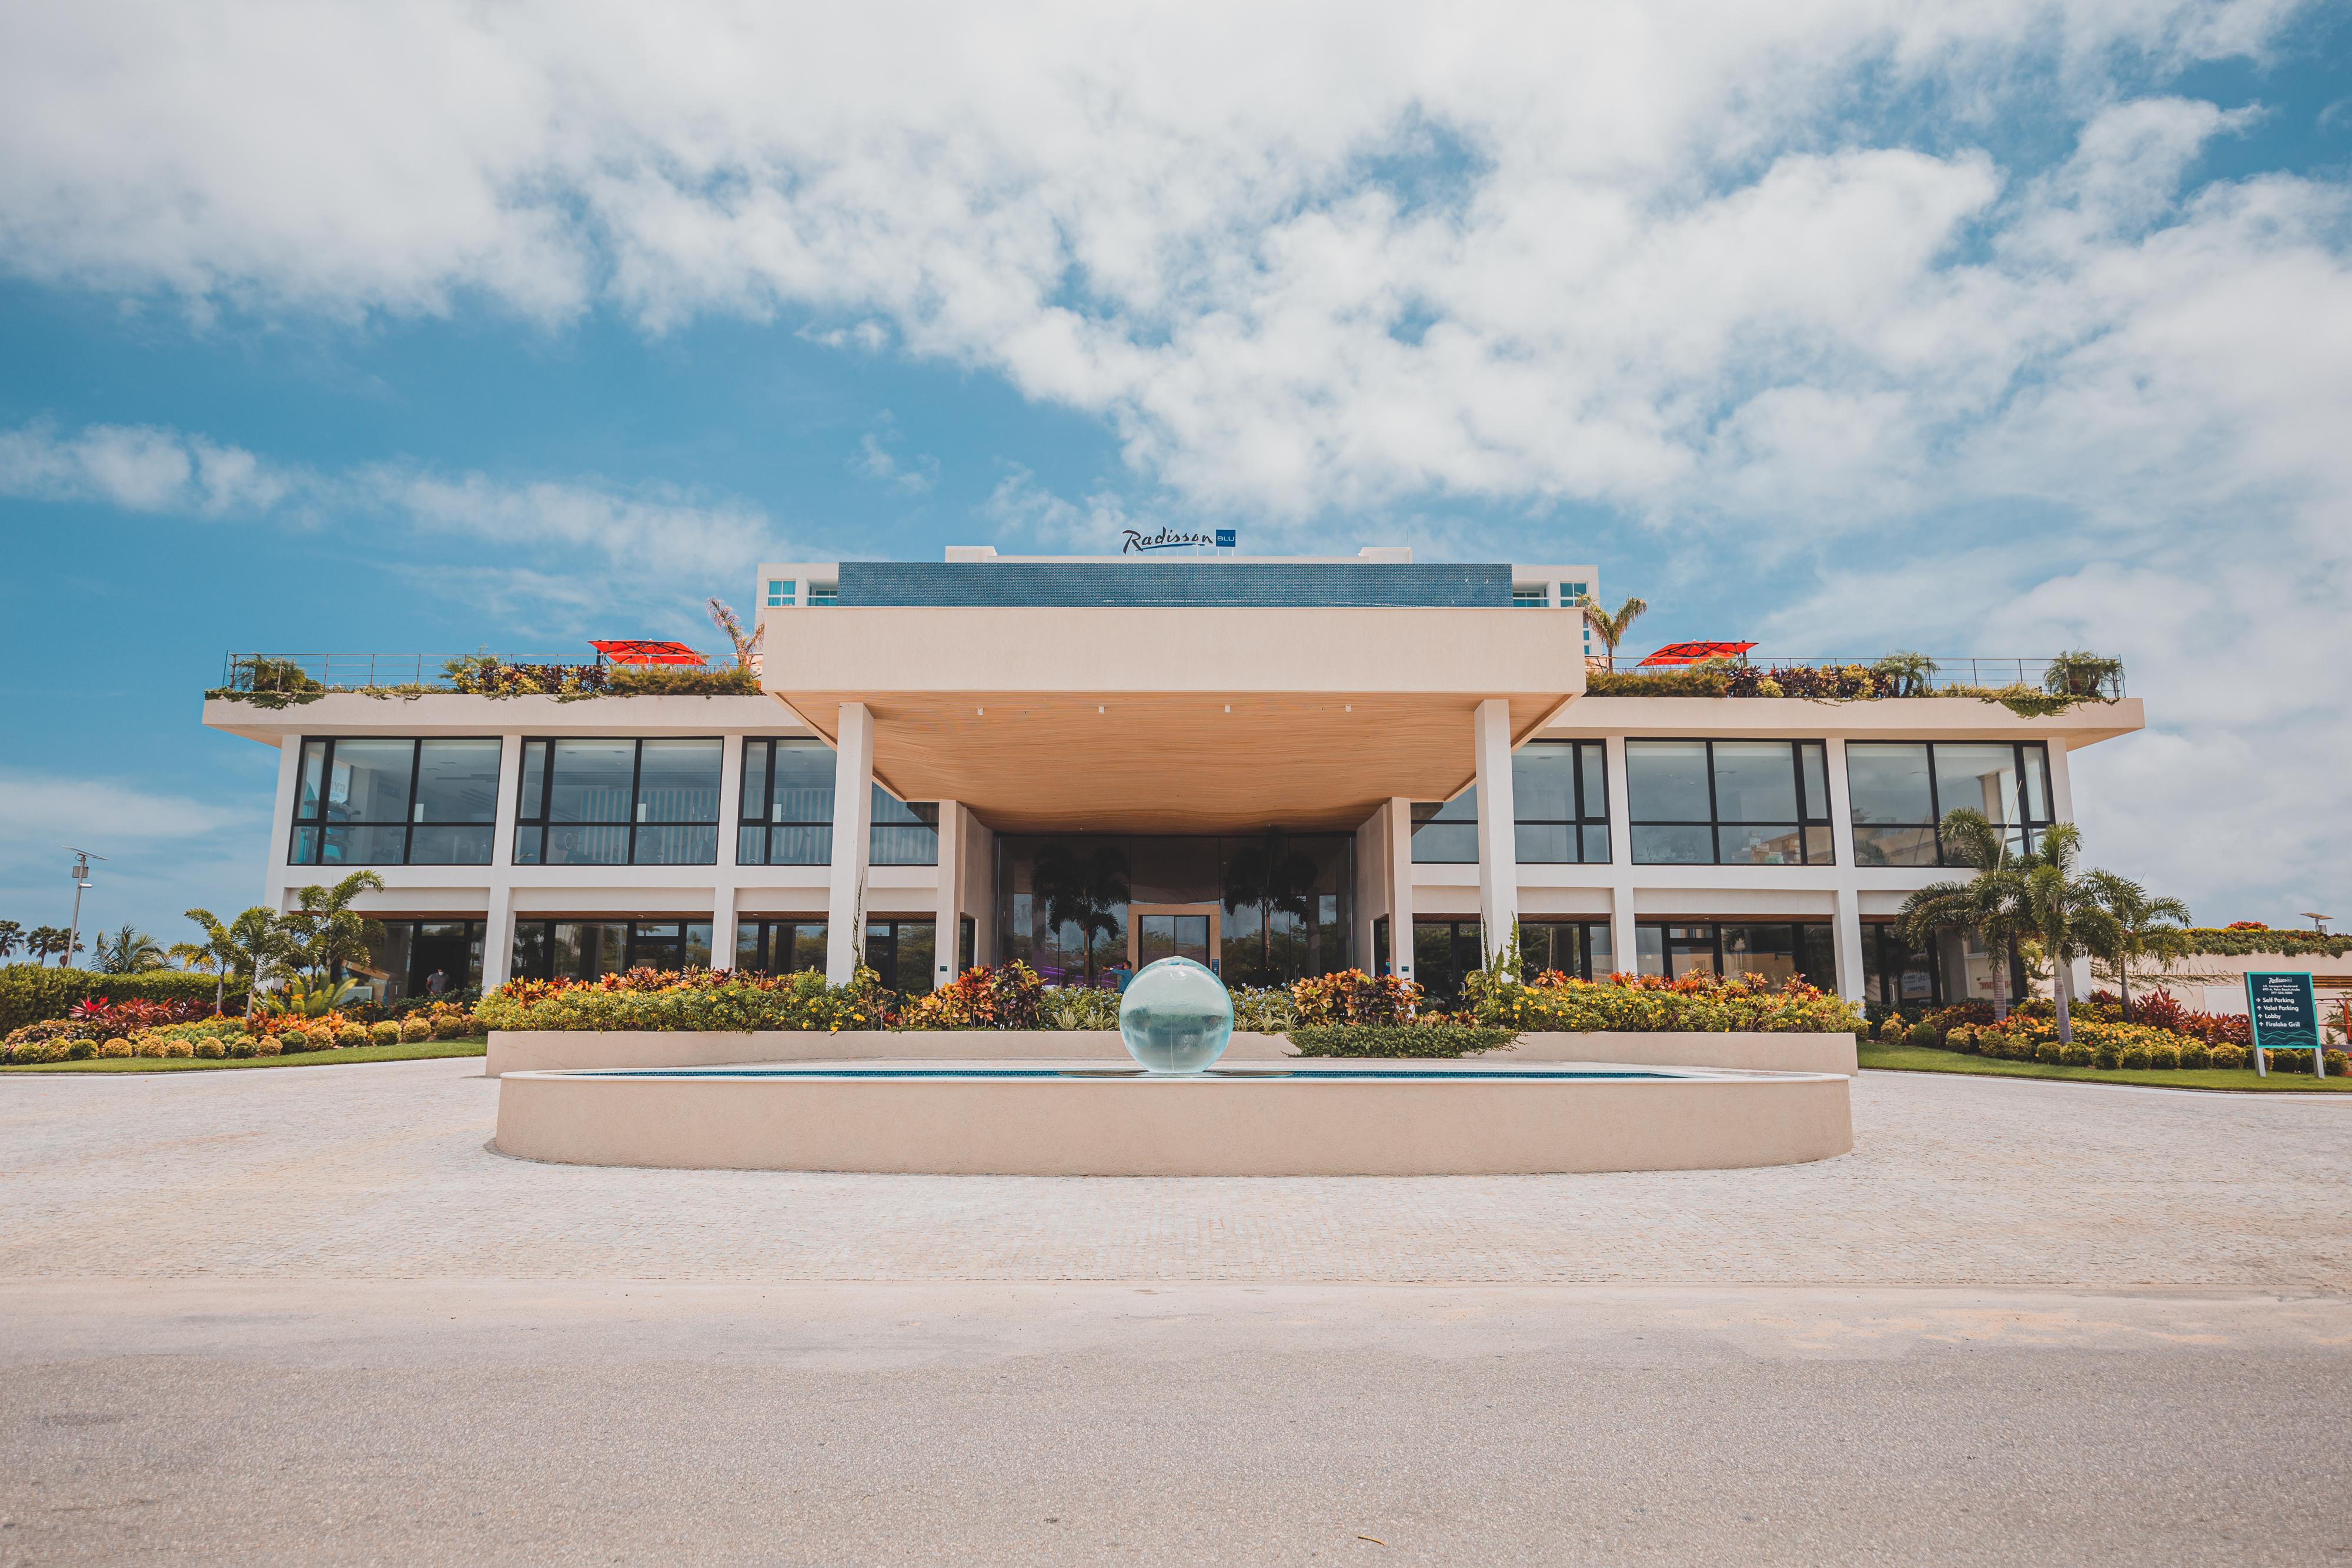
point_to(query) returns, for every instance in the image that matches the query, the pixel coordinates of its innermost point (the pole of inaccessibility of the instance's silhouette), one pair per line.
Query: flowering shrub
(664, 1000)
(2161, 1009)
(1640, 1003)
(1006, 997)
(1443, 1038)
(1079, 1006)
(2032, 1036)
(1353, 997)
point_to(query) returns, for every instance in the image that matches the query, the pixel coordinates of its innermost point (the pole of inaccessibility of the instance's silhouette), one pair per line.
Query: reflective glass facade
(1901, 790)
(364, 801)
(1728, 803)
(1778, 950)
(582, 949)
(1284, 902)
(618, 803)
(1559, 795)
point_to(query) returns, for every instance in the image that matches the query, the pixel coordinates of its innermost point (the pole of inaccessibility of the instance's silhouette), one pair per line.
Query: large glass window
(1579, 948)
(618, 803)
(1559, 792)
(1728, 803)
(787, 810)
(1284, 901)
(1951, 968)
(1778, 950)
(901, 952)
(375, 801)
(1444, 953)
(779, 946)
(408, 958)
(1445, 832)
(1901, 791)
(904, 832)
(583, 949)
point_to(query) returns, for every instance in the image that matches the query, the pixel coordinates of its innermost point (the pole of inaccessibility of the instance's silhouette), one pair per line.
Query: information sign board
(2285, 1016)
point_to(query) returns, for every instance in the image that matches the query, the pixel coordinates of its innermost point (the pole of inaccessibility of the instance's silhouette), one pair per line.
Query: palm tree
(2144, 927)
(1612, 627)
(246, 948)
(326, 930)
(12, 936)
(1269, 871)
(2066, 913)
(1989, 905)
(747, 649)
(51, 942)
(1088, 891)
(128, 951)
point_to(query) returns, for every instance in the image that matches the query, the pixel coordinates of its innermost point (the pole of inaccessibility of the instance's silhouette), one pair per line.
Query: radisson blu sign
(1138, 542)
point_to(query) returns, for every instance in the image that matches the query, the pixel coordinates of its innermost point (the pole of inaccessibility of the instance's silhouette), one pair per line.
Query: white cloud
(1774, 279)
(876, 460)
(44, 810)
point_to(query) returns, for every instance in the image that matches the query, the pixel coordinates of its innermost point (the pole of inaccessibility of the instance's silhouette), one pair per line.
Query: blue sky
(1986, 330)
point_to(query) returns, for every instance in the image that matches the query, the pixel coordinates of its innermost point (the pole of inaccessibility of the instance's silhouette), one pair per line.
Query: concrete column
(497, 928)
(274, 879)
(497, 934)
(1621, 859)
(1498, 854)
(1399, 859)
(946, 933)
(1848, 919)
(723, 883)
(853, 826)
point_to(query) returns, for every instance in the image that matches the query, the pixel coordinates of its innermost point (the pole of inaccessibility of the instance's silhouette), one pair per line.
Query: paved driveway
(382, 1172)
(303, 1316)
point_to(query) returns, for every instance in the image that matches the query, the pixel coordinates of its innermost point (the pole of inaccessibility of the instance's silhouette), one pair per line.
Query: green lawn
(416, 1050)
(2233, 1080)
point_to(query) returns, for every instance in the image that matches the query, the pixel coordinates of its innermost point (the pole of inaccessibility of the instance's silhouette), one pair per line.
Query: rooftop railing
(359, 671)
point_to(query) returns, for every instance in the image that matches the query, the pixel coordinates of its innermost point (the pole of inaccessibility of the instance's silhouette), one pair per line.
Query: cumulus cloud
(1772, 280)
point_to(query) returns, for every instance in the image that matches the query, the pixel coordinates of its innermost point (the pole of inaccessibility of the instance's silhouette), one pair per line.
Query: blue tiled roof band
(874, 584)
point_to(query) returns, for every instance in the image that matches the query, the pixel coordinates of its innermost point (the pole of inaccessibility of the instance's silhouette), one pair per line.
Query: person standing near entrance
(436, 982)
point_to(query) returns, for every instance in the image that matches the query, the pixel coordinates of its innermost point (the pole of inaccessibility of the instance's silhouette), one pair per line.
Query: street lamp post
(81, 882)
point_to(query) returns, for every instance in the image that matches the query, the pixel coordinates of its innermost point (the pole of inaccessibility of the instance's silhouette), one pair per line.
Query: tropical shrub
(1354, 997)
(30, 993)
(2051, 1052)
(664, 999)
(1923, 1033)
(153, 1046)
(2196, 1055)
(322, 1037)
(117, 1046)
(211, 1050)
(238, 1045)
(265, 1045)
(1265, 1010)
(1419, 1038)
(417, 1026)
(352, 1035)
(1081, 1007)
(2135, 1054)
(1621, 1003)
(2165, 1058)
(1008, 996)
(178, 1047)
(2077, 1054)
(2107, 1054)
(385, 1032)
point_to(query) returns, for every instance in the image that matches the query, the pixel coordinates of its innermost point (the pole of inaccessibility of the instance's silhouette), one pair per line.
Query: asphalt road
(321, 1421)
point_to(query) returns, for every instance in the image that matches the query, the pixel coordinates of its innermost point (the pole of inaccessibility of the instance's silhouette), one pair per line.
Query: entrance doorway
(1157, 931)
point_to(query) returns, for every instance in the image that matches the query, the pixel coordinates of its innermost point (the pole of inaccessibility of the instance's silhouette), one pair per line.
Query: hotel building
(1281, 767)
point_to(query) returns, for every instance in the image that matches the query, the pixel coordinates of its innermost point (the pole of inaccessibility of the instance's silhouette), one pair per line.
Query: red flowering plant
(1007, 995)
(1351, 996)
(108, 1019)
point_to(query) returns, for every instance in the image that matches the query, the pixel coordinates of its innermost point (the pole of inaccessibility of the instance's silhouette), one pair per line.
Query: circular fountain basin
(1084, 1118)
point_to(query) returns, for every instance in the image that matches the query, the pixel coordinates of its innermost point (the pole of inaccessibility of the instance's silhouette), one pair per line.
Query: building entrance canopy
(1173, 719)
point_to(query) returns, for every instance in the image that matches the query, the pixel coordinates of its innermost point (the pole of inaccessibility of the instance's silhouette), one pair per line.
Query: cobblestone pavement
(382, 1172)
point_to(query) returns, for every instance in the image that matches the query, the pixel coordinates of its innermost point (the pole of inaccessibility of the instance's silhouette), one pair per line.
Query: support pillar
(1623, 959)
(950, 919)
(1498, 850)
(722, 893)
(1846, 929)
(852, 836)
(497, 928)
(1399, 862)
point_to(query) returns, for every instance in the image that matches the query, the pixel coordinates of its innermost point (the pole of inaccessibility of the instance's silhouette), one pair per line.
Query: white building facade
(1280, 767)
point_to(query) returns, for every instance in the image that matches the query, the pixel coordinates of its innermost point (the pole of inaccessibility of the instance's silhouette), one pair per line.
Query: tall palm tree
(2144, 927)
(245, 949)
(1084, 889)
(44, 942)
(12, 936)
(128, 951)
(1989, 905)
(2066, 913)
(1612, 627)
(325, 930)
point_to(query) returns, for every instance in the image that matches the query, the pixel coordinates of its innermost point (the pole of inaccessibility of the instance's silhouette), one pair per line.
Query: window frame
(768, 823)
(628, 922)
(1714, 925)
(541, 822)
(2022, 836)
(765, 929)
(1587, 816)
(1716, 822)
(408, 824)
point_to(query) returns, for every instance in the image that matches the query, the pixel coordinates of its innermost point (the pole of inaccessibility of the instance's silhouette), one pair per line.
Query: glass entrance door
(1157, 931)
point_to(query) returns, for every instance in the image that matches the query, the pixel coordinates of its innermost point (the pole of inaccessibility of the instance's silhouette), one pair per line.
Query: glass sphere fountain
(1176, 1015)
